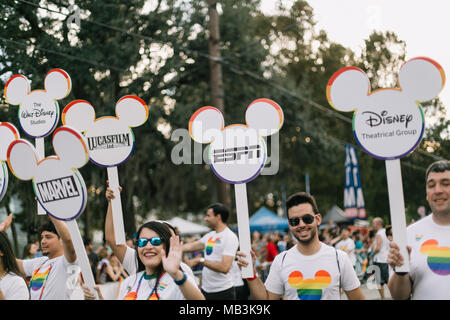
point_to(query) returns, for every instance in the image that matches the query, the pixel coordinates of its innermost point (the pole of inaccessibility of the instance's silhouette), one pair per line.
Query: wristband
(182, 281)
(254, 277)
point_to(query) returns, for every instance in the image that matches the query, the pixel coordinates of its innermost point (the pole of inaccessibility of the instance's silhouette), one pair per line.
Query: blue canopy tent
(266, 220)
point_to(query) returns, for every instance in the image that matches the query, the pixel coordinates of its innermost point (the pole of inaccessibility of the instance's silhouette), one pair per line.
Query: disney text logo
(376, 119)
(36, 113)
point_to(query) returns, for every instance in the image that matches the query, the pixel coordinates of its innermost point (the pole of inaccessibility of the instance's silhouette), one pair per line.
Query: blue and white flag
(353, 194)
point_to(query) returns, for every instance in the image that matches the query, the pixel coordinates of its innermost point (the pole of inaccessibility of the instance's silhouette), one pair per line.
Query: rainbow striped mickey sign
(388, 123)
(110, 141)
(38, 109)
(8, 133)
(238, 153)
(59, 187)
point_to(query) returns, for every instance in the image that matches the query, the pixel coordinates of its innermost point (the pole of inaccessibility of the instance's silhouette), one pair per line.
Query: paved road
(372, 294)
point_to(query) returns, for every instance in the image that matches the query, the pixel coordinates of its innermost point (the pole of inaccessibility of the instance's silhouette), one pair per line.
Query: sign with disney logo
(388, 123)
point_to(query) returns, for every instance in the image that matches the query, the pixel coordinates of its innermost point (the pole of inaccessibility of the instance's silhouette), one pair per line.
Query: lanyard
(152, 296)
(45, 280)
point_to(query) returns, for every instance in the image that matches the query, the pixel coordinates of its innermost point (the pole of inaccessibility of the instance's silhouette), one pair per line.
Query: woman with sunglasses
(159, 276)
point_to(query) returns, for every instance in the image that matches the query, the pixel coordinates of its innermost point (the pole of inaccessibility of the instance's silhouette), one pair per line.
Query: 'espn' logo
(235, 154)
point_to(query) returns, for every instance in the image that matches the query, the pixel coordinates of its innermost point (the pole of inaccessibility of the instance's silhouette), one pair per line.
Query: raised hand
(171, 262)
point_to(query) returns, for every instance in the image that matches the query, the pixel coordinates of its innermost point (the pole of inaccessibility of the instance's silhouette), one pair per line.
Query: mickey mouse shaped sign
(238, 153)
(389, 123)
(8, 133)
(110, 141)
(38, 109)
(58, 185)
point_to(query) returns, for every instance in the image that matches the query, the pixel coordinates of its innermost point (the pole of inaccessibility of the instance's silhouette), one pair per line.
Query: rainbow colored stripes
(38, 280)
(210, 244)
(309, 289)
(438, 257)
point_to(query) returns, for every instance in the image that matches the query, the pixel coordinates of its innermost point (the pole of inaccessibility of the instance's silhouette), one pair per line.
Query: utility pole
(217, 92)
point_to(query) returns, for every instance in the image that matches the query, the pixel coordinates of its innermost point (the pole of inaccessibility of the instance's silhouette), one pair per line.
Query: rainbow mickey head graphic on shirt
(210, 244)
(438, 257)
(38, 279)
(309, 289)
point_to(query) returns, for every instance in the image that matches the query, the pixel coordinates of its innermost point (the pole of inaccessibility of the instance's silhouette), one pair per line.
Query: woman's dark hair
(26, 251)
(8, 258)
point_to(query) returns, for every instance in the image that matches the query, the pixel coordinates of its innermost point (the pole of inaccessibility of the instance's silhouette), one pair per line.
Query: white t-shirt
(313, 277)
(167, 288)
(49, 278)
(217, 245)
(236, 275)
(381, 256)
(14, 287)
(430, 259)
(130, 263)
(346, 245)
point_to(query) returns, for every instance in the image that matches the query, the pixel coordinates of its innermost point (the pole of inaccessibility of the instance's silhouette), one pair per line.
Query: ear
(16, 89)
(22, 159)
(295, 279)
(58, 83)
(322, 277)
(71, 147)
(421, 78)
(203, 122)
(347, 89)
(8, 133)
(264, 115)
(79, 114)
(132, 110)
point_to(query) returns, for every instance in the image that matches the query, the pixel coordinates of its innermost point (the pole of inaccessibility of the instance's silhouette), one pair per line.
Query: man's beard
(309, 240)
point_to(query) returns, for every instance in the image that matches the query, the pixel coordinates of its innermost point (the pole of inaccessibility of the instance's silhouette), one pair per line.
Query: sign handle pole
(240, 191)
(82, 258)
(397, 208)
(40, 149)
(116, 204)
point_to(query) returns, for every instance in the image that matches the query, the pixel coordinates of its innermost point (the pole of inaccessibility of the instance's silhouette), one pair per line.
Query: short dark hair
(219, 208)
(438, 166)
(299, 198)
(49, 227)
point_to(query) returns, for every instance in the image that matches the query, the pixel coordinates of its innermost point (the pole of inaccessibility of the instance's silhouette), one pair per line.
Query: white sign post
(388, 124)
(110, 141)
(38, 109)
(58, 185)
(8, 133)
(237, 154)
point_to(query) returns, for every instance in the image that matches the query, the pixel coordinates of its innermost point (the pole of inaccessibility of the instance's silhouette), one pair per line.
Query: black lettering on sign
(109, 141)
(235, 154)
(57, 189)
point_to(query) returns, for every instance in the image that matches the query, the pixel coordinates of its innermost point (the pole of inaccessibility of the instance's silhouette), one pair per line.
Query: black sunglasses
(142, 242)
(307, 218)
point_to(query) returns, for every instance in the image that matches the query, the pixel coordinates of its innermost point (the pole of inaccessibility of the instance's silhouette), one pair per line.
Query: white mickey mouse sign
(237, 152)
(38, 109)
(58, 185)
(8, 133)
(110, 140)
(387, 123)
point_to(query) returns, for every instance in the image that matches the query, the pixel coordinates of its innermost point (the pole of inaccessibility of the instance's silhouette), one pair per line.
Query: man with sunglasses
(311, 270)
(220, 247)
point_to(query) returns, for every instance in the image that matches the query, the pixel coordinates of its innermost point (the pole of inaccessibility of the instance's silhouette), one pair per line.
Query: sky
(423, 25)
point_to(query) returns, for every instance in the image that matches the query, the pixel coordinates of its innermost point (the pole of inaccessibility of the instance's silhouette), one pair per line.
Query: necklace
(3, 275)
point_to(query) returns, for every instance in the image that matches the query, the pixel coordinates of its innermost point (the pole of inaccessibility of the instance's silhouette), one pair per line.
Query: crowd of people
(306, 262)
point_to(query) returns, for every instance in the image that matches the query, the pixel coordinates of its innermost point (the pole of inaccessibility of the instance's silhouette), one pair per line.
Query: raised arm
(121, 249)
(63, 232)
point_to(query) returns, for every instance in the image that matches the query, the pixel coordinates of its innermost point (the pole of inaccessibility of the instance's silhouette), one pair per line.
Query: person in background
(12, 282)
(347, 245)
(30, 250)
(380, 252)
(93, 257)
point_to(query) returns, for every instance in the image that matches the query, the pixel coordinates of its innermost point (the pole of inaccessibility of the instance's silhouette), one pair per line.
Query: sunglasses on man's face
(142, 242)
(307, 219)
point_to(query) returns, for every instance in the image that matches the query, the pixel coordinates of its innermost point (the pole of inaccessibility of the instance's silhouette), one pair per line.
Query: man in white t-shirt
(347, 245)
(428, 244)
(311, 270)
(50, 273)
(380, 252)
(220, 247)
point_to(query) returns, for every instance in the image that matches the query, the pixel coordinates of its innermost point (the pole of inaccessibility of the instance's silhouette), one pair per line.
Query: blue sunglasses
(142, 242)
